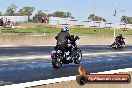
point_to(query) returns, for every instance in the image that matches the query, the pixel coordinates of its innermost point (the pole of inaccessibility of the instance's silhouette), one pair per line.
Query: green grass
(49, 31)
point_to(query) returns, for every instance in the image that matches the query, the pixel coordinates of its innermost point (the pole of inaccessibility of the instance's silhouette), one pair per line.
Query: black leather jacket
(62, 38)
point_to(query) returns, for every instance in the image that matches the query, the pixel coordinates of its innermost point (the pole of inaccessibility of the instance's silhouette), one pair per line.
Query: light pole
(94, 15)
(115, 19)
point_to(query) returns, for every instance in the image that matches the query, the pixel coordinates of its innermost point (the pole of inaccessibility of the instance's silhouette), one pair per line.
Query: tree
(62, 14)
(93, 17)
(11, 10)
(127, 20)
(68, 14)
(38, 16)
(124, 19)
(26, 11)
(59, 14)
(20, 13)
(104, 20)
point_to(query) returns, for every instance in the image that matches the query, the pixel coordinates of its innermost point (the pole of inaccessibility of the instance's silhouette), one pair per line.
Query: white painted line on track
(25, 45)
(55, 80)
(115, 71)
(106, 53)
(49, 81)
(48, 56)
(25, 57)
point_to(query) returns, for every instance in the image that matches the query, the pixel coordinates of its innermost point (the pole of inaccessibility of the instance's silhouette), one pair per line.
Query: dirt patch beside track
(73, 84)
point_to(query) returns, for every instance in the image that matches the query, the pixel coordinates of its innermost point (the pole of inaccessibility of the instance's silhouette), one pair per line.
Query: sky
(80, 9)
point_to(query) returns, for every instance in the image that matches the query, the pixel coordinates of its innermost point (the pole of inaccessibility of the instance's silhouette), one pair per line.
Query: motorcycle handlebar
(77, 37)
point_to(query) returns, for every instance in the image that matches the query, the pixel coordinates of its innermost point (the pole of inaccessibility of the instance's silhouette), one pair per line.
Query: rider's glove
(77, 37)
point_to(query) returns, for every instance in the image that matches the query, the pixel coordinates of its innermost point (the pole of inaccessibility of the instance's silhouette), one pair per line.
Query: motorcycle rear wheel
(57, 63)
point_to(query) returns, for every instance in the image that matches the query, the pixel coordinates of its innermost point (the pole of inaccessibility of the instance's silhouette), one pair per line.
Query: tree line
(28, 11)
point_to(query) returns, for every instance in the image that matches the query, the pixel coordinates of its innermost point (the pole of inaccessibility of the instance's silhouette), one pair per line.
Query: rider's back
(119, 38)
(62, 37)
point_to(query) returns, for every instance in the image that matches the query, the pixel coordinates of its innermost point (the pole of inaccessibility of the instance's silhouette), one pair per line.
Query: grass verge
(49, 31)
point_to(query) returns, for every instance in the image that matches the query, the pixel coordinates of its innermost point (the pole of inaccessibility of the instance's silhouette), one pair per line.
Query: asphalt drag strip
(28, 71)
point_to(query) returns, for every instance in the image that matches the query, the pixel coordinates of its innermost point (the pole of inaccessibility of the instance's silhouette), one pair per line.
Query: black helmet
(63, 30)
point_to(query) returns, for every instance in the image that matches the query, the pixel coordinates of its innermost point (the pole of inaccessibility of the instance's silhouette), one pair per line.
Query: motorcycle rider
(62, 39)
(120, 39)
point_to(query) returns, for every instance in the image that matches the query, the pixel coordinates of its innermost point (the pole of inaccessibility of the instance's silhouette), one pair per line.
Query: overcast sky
(80, 9)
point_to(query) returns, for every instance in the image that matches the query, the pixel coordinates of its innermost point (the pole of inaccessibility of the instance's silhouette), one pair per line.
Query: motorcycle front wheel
(123, 45)
(78, 57)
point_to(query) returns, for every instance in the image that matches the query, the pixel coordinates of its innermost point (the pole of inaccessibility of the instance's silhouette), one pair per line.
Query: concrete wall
(25, 40)
(46, 40)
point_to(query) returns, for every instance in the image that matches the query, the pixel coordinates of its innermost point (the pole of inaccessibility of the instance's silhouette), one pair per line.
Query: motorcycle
(117, 44)
(60, 57)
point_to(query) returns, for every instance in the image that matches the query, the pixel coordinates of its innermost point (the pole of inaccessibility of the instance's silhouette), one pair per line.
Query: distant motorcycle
(59, 57)
(118, 44)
